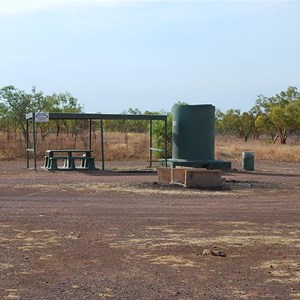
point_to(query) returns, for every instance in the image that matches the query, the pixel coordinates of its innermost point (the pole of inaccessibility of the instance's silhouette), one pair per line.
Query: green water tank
(193, 132)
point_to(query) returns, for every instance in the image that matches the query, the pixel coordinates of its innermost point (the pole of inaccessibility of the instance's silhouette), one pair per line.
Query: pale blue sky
(114, 55)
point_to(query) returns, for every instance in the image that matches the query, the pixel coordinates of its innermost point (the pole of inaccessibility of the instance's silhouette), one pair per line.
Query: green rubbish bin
(248, 161)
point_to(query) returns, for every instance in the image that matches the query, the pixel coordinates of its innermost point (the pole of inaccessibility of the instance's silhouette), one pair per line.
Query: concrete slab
(203, 178)
(164, 175)
(190, 177)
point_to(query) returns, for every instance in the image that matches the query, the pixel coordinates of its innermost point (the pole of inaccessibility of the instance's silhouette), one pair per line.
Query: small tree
(159, 133)
(220, 125)
(281, 112)
(18, 103)
(5, 120)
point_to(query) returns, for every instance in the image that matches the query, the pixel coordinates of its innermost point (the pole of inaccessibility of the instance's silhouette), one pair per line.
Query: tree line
(276, 117)
(15, 104)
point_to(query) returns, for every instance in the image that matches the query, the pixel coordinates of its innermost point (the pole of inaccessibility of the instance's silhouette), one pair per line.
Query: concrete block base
(190, 177)
(203, 178)
(164, 175)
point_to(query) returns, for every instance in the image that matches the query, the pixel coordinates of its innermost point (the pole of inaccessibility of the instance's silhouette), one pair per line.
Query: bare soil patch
(120, 235)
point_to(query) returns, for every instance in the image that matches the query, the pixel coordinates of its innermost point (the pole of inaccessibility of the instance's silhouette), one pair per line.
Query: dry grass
(134, 146)
(231, 148)
(117, 146)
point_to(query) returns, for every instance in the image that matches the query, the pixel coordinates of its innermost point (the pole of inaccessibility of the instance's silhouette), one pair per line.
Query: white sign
(42, 117)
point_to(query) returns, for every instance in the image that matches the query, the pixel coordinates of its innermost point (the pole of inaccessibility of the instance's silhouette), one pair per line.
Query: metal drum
(248, 161)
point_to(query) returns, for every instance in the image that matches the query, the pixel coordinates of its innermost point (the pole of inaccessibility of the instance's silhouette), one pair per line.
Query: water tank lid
(179, 104)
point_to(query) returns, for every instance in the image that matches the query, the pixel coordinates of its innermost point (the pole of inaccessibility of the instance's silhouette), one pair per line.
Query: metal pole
(90, 134)
(102, 145)
(34, 140)
(150, 145)
(166, 133)
(27, 144)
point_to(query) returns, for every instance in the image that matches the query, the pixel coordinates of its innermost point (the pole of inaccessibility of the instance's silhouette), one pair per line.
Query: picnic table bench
(69, 156)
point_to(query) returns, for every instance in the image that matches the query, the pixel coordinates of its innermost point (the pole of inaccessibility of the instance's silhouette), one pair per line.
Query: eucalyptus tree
(64, 103)
(280, 113)
(18, 103)
(220, 125)
(15, 103)
(5, 120)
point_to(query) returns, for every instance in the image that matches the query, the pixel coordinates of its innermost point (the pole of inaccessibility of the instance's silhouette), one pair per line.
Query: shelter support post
(150, 145)
(102, 144)
(90, 134)
(34, 140)
(166, 141)
(27, 143)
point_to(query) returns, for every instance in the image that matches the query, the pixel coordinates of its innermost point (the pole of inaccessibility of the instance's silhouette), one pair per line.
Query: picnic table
(69, 156)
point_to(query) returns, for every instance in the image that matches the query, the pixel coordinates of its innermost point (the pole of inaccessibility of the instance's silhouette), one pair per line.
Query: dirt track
(73, 235)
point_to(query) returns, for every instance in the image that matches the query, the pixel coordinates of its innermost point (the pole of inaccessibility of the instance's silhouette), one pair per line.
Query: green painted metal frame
(30, 117)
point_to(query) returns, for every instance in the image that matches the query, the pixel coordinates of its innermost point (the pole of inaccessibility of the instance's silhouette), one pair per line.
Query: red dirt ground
(116, 235)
